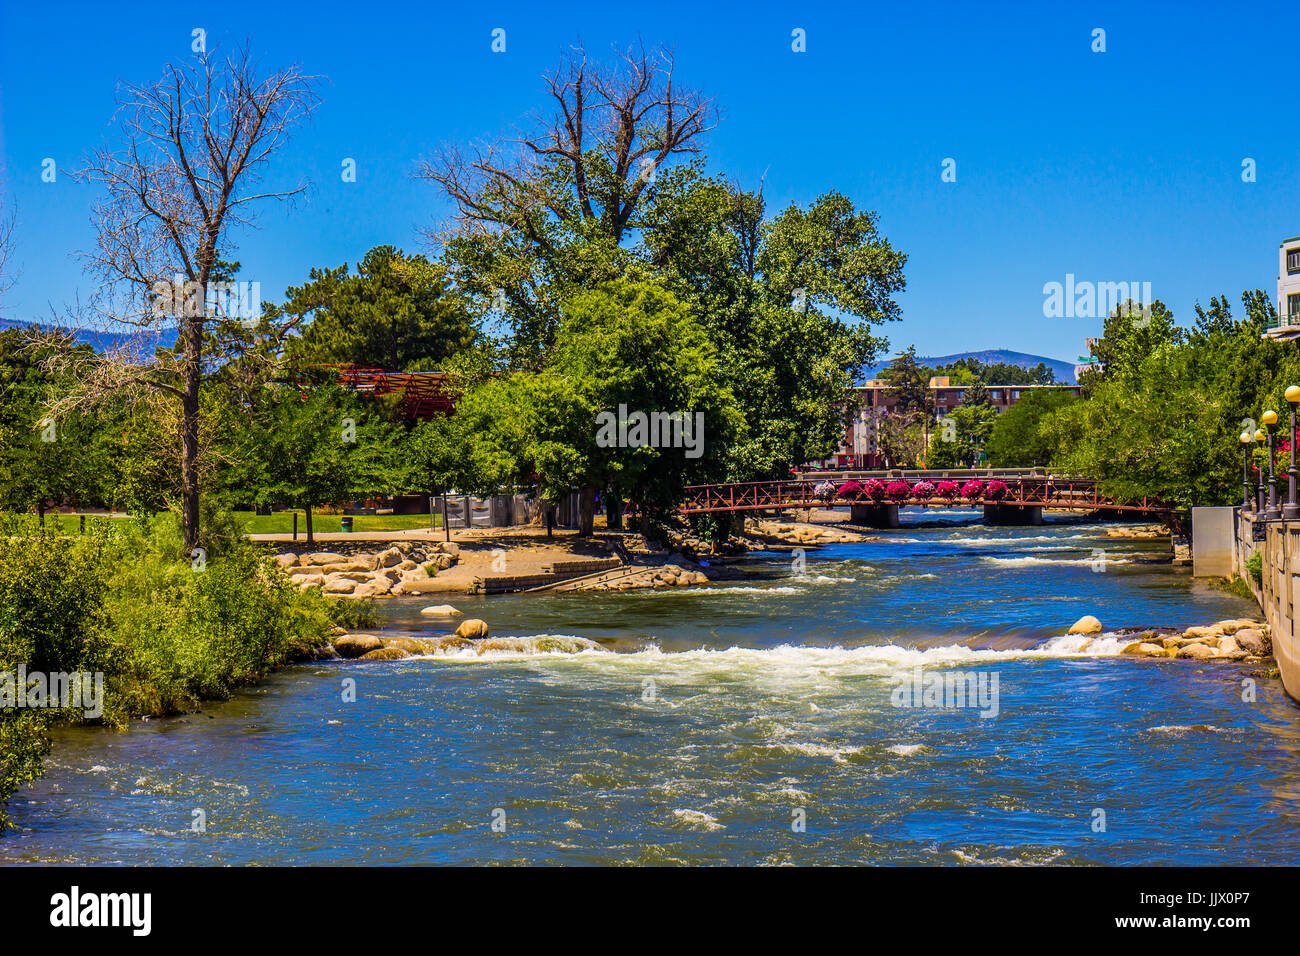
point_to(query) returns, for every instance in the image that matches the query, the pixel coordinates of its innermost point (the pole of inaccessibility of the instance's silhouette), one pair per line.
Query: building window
(1293, 304)
(1293, 260)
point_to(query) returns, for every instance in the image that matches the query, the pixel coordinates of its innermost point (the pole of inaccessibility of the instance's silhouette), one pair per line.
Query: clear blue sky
(1123, 165)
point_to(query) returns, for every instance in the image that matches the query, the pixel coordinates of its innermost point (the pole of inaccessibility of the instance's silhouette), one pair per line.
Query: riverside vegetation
(165, 630)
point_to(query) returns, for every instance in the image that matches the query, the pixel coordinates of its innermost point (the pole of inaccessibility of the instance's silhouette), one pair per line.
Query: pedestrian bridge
(1007, 498)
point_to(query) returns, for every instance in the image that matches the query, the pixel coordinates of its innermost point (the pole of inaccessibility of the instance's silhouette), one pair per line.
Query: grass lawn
(281, 522)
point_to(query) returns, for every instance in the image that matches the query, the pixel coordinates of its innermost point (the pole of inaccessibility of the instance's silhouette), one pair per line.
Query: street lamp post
(1246, 441)
(1259, 488)
(1269, 418)
(1292, 508)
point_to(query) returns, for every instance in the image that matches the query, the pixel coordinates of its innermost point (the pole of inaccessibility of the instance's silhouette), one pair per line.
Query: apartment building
(1287, 325)
(861, 448)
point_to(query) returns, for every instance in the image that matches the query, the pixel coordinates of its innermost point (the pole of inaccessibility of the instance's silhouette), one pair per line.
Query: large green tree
(315, 446)
(397, 312)
(1017, 440)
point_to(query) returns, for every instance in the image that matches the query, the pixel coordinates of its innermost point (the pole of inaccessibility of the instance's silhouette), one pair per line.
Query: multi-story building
(1288, 290)
(861, 447)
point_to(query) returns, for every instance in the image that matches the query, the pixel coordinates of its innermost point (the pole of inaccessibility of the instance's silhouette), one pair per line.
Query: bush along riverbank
(105, 627)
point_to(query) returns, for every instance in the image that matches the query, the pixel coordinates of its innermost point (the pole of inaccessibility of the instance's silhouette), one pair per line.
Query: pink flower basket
(898, 491)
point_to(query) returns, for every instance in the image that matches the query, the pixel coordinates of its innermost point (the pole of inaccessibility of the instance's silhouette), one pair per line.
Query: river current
(751, 723)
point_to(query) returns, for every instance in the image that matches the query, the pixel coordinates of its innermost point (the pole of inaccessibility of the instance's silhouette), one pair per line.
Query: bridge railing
(1044, 491)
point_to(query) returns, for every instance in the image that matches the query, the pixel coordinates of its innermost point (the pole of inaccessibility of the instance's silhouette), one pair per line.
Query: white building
(1288, 290)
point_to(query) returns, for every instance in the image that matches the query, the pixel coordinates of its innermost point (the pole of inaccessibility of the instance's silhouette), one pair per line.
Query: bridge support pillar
(1013, 514)
(874, 516)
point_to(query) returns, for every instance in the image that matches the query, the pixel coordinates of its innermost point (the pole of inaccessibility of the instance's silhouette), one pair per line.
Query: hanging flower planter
(923, 491)
(874, 489)
(850, 489)
(898, 491)
(996, 490)
(949, 491)
(973, 490)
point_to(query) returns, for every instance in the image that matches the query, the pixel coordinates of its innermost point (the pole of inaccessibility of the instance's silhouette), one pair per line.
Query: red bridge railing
(1074, 493)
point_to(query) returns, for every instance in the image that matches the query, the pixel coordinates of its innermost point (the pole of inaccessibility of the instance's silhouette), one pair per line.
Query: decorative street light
(1246, 440)
(1260, 437)
(1269, 418)
(1292, 508)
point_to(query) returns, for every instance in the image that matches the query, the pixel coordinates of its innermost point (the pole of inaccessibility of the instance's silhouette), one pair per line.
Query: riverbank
(469, 561)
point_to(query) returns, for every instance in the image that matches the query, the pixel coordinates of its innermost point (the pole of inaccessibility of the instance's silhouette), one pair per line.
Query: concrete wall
(1214, 536)
(1279, 548)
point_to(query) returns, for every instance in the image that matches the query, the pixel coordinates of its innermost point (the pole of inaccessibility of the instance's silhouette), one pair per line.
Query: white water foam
(1062, 562)
(698, 820)
(800, 661)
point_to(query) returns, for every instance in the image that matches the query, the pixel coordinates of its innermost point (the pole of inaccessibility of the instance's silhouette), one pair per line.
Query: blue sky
(1115, 166)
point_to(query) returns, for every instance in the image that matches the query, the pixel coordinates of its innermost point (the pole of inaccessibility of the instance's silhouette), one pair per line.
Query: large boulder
(384, 654)
(1143, 649)
(1197, 652)
(323, 557)
(337, 585)
(440, 610)
(380, 586)
(354, 645)
(388, 558)
(1087, 625)
(1194, 633)
(450, 547)
(1251, 640)
(472, 629)
(347, 567)
(286, 560)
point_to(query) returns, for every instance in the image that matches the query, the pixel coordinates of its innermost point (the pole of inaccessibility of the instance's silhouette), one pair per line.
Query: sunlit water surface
(737, 723)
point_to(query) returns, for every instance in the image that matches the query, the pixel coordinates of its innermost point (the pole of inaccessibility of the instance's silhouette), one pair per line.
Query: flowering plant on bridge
(850, 489)
(973, 490)
(874, 489)
(949, 491)
(824, 490)
(996, 490)
(923, 490)
(898, 491)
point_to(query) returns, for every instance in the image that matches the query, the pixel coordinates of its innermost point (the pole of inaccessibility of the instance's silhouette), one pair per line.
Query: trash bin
(345, 523)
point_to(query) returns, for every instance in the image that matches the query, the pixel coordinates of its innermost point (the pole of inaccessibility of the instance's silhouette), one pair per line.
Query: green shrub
(165, 628)
(1255, 567)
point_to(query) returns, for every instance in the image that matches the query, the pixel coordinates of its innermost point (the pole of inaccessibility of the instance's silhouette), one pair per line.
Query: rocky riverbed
(1238, 639)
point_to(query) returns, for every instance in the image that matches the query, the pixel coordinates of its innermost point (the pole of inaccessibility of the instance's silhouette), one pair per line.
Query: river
(737, 723)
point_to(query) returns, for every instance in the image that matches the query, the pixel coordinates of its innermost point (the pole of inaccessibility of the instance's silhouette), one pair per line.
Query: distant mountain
(1064, 371)
(103, 341)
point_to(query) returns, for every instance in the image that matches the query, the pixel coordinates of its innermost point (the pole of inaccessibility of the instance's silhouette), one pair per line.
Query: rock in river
(1086, 625)
(355, 645)
(473, 629)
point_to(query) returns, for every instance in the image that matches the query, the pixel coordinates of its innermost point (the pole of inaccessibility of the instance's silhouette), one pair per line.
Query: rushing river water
(738, 723)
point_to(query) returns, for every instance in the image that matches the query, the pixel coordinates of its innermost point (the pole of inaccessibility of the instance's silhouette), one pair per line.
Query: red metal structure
(423, 394)
(1050, 492)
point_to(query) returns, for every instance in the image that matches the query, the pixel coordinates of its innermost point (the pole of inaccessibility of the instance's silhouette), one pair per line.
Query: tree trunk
(614, 512)
(190, 430)
(310, 540)
(586, 510)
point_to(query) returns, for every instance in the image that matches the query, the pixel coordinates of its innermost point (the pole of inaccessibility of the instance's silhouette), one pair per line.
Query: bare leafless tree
(592, 158)
(8, 221)
(188, 164)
